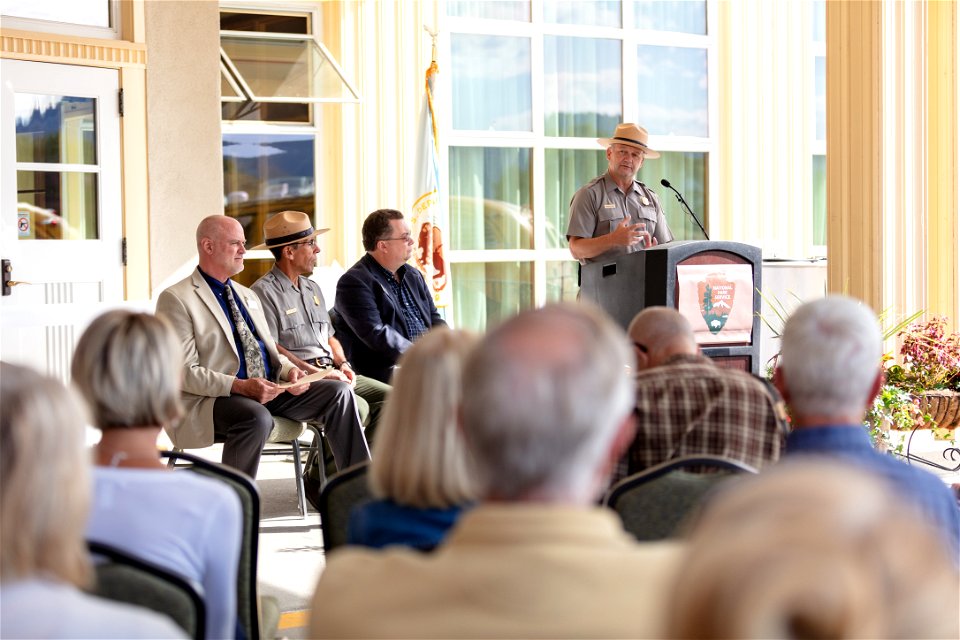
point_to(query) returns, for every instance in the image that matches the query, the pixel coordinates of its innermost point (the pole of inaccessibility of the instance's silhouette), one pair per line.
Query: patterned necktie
(251, 350)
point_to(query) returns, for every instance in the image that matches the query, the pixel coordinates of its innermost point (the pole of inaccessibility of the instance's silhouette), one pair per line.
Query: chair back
(246, 489)
(343, 492)
(125, 578)
(654, 502)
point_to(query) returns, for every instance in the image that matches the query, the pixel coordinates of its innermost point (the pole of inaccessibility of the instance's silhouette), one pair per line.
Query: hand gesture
(628, 235)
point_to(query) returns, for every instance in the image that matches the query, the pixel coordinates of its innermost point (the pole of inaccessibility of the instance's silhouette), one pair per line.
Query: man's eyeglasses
(312, 242)
(405, 237)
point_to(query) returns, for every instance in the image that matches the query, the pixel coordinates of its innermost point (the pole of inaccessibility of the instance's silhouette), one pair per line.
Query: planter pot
(943, 406)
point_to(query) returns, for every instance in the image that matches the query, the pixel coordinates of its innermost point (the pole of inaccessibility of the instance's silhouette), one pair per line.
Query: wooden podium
(633, 281)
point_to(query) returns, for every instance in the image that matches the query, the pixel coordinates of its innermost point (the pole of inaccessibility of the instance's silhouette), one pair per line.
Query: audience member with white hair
(420, 469)
(44, 496)
(547, 409)
(814, 549)
(829, 373)
(128, 366)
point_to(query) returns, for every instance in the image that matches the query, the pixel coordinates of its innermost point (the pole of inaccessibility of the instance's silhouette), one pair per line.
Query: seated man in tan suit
(549, 407)
(232, 367)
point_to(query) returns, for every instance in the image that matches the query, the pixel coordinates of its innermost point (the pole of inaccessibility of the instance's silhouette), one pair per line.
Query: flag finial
(433, 42)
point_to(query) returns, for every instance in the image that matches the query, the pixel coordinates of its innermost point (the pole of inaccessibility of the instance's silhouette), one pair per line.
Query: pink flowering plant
(930, 358)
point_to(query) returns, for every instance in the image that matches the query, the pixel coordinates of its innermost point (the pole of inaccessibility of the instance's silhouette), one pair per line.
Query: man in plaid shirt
(687, 405)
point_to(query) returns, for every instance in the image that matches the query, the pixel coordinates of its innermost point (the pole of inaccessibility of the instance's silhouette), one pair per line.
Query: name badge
(609, 205)
(316, 300)
(290, 312)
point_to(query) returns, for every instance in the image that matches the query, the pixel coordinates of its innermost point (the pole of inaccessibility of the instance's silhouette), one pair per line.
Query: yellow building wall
(172, 168)
(892, 155)
(183, 132)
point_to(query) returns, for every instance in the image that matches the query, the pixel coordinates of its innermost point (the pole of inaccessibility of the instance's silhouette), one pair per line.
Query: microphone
(690, 212)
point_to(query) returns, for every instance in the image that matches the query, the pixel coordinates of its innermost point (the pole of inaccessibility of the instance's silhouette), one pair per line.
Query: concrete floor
(291, 548)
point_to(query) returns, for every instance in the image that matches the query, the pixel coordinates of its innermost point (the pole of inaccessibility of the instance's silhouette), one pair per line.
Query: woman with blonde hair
(44, 495)
(420, 471)
(128, 367)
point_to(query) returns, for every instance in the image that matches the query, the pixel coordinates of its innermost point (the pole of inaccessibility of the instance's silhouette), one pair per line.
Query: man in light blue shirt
(829, 374)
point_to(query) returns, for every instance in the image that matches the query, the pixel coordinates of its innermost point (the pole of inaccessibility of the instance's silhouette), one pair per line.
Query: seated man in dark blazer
(383, 304)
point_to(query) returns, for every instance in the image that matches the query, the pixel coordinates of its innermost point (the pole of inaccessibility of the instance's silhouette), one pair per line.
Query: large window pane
(687, 16)
(53, 205)
(582, 78)
(601, 13)
(58, 129)
(820, 96)
(819, 21)
(490, 9)
(565, 171)
(687, 172)
(93, 13)
(485, 293)
(820, 200)
(672, 90)
(562, 281)
(264, 174)
(491, 83)
(490, 198)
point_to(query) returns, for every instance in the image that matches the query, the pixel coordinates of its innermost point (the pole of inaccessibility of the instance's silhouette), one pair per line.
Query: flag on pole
(428, 222)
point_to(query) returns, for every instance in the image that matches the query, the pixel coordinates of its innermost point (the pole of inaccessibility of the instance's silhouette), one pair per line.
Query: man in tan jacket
(233, 374)
(547, 410)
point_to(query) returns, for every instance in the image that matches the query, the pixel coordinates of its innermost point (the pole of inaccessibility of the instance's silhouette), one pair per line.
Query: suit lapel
(213, 305)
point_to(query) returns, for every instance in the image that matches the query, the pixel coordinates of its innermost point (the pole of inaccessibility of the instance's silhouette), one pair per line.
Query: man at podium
(614, 214)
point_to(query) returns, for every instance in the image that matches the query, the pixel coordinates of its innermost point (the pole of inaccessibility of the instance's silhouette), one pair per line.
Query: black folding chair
(654, 502)
(123, 577)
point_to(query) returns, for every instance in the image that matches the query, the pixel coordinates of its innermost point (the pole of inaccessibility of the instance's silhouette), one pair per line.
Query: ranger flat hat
(632, 136)
(286, 228)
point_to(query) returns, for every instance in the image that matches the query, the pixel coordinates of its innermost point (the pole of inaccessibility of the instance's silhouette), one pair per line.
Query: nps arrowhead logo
(716, 299)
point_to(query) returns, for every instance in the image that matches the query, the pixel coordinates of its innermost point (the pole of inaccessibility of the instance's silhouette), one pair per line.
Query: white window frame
(70, 29)
(240, 127)
(537, 142)
(817, 147)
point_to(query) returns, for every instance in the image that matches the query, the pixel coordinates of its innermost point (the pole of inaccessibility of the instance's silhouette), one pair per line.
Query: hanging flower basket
(943, 406)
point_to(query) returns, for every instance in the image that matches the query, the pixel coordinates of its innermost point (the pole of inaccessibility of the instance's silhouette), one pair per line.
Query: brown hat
(632, 136)
(286, 228)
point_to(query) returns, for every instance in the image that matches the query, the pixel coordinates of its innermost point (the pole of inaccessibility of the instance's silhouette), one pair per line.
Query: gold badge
(290, 312)
(644, 201)
(316, 300)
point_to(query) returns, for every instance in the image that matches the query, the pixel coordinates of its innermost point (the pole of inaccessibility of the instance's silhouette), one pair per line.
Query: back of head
(128, 367)
(547, 392)
(662, 332)
(377, 225)
(813, 550)
(44, 479)
(830, 356)
(419, 456)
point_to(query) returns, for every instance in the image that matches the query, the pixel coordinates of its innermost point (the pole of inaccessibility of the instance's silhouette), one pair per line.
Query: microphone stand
(690, 212)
